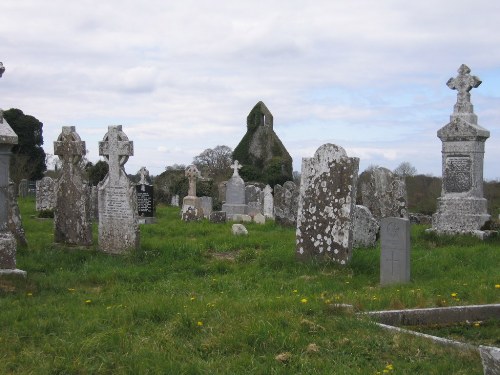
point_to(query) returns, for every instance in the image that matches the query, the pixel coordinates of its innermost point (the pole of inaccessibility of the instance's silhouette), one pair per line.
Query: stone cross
(144, 173)
(463, 83)
(68, 146)
(192, 174)
(236, 165)
(116, 148)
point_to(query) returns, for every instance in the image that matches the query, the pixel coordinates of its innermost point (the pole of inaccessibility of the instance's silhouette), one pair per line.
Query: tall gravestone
(253, 199)
(365, 227)
(384, 193)
(118, 224)
(462, 207)
(235, 194)
(207, 206)
(145, 198)
(191, 204)
(15, 224)
(72, 213)
(268, 204)
(286, 204)
(394, 250)
(326, 205)
(45, 194)
(8, 246)
(23, 188)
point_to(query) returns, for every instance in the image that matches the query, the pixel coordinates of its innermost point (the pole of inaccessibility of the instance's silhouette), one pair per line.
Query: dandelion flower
(199, 324)
(88, 301)
(303, 300)
(497, 286)
(295, 291)
(454, 295)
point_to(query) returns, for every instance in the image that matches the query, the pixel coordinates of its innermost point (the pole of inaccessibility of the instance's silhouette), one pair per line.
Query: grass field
(196, 300)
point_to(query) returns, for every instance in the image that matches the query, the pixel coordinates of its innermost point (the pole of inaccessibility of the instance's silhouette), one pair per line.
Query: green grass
(196, 300)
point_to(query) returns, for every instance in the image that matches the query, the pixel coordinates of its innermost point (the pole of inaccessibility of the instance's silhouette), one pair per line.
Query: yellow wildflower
(199, 324)
(88, 301)
(303, 300)
(497, 286)
(454, 295)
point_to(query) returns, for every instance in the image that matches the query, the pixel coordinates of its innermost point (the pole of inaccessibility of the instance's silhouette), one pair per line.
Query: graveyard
(194, 299)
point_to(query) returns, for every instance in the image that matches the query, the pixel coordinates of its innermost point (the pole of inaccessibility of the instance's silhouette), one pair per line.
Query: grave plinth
(462, 207)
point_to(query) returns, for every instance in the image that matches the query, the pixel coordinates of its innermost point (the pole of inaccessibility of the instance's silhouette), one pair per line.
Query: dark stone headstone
(218, 217)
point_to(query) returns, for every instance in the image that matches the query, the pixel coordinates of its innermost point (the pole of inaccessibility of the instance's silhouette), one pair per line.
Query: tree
(405, 169)
(96, 172)
(215, 163)
(28, 156)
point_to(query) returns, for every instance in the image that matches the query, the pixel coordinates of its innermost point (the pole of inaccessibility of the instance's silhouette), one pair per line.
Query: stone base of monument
(14, 273)
(460, 215)
(146, 220)
(234, 209)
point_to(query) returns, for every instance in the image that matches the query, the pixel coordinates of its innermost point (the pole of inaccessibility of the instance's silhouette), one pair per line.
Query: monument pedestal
(460, 215)
(8, 256)
(234, 209)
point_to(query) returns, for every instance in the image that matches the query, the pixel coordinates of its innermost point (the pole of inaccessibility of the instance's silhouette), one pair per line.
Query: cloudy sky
(181, 76)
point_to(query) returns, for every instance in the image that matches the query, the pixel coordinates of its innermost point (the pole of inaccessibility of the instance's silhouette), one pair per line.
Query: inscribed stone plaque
(145, 202)
(394, 250)
(457, 178)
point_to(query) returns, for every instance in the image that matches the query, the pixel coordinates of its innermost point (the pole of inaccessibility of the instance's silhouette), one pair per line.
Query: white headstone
(235, 194)
(394, 250)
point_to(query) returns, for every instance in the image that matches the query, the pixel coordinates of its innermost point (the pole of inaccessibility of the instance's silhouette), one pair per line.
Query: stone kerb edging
(490, 355)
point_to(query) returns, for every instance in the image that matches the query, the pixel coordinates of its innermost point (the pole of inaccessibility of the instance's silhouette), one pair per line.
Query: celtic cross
(116, 148)
(69, 147)
(463, 83)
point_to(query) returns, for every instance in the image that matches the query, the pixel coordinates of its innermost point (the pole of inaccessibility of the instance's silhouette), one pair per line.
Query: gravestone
(23, 188)
(235, 194)
(384, 194)
(365, 227)
(394, 250)
(72, 216)
(239, 230)
(326, 205)
(268, 204)
(94, 203)
(218, 217)
(8, 247)
(462, 207)
(175, 201)
(191, 204)
(253, 200)
(118, 224)
(14, 223)
(259, 218)
(45, 194)
(145, 198)
(222, 191)
(286, 204)
(206, 205)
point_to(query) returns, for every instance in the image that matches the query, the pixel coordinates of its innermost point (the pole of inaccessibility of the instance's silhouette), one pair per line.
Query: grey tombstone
(286, 204)
(253, 199)
(145, 198)
(23, 188)
(191, 204)
(8, 247)
(268, 202)
(15, 224)
(259, 218)
(175, 201)
(326, 205)
(462, 207)
(72, 213)
(239, 230)
(222, 191)
(235, 194)
(94, 203)
(394, 250)
(384, 194)
(118, 224)
(365, 227)
(45, 194)
(218, 217)
(206, 205)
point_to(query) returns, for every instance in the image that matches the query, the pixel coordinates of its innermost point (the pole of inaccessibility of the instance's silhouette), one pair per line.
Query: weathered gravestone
(222, 191)
(384, 193)
(206, 205)
(14, 222)
(45, 194)
(365, 227)
(462, 207)
(175, 201)
(218, 217)
(326, 205)
(286, 204)
(191, 204)
(94, 203)
(8, 247)
(72, 213)
(23, 188)
(235, 194)
(253, 199)
(268, 202)
(118, 224)
(394, 250)
(145, 198)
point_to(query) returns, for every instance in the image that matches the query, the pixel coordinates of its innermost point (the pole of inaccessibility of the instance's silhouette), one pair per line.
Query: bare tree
(405, 169)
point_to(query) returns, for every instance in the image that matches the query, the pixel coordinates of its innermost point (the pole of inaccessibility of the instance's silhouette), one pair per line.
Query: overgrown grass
(197, 300)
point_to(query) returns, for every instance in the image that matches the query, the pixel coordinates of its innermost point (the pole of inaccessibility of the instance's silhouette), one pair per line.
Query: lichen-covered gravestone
(365, 227)
(268, 205)
(118, 224)
(23, 188)
(462, 207)
(191, 204)
(8, 247)
(145, 198)
(206, 205)
(286, 204)
(253, 199)
(235, 194)
(326, 205)
(394, 250)
(384, 194)
(72, 213)
(15, 224)
(45, 194)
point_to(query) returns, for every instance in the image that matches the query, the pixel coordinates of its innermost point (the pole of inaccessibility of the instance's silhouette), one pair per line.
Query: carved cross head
(236, 165)
(69, 147)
